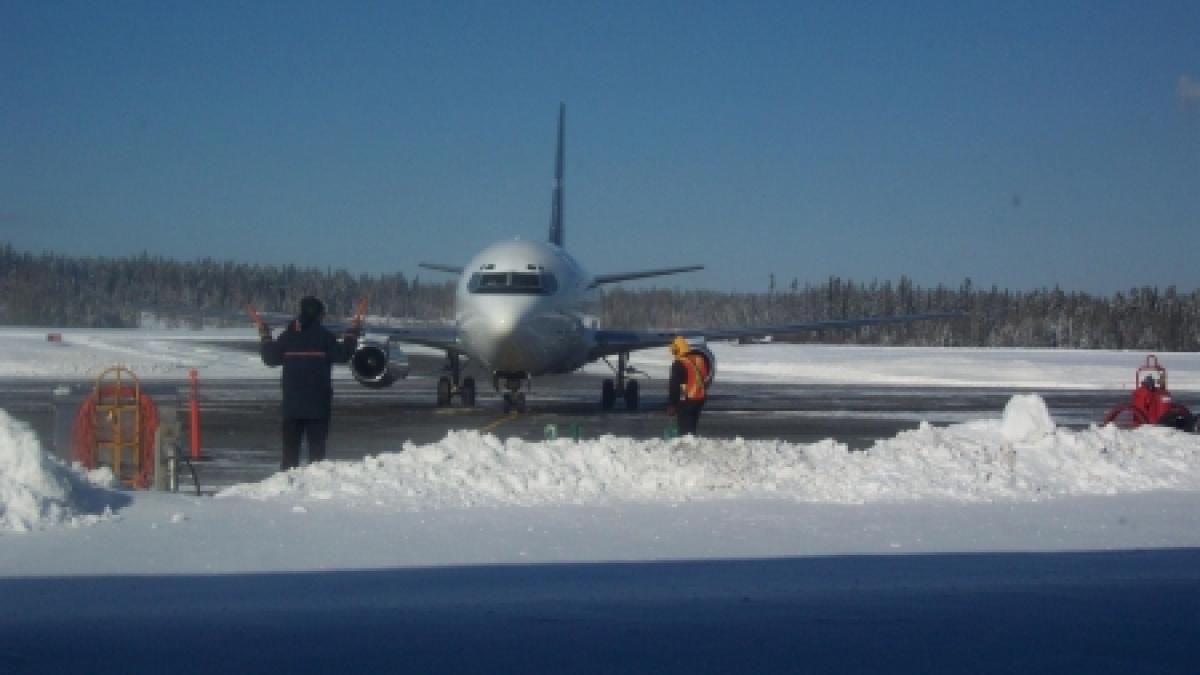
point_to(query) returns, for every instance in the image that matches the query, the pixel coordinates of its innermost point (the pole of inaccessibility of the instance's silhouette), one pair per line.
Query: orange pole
(195, 416)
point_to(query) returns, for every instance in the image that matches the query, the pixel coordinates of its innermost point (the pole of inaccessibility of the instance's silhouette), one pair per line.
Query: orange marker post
(360, 314)
(195, 415)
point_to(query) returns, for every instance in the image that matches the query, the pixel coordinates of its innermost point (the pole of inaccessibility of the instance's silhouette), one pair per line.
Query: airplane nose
(502, 336)
(500, 325)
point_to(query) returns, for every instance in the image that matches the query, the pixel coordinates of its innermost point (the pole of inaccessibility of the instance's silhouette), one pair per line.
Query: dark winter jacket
(307, 355)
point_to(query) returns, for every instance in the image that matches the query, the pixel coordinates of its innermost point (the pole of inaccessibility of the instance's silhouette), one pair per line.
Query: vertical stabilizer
(556, 205)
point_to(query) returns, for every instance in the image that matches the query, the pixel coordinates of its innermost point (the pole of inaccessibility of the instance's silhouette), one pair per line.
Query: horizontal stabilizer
(452, 269)
(613, 278)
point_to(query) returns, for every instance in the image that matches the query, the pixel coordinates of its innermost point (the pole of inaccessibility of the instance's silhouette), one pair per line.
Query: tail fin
(556, 203)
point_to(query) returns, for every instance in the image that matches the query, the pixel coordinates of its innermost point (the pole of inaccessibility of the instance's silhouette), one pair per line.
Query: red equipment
(1149, 404)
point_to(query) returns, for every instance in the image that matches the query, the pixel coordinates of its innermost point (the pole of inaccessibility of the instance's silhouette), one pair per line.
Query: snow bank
(37, 491)
(1022, 456)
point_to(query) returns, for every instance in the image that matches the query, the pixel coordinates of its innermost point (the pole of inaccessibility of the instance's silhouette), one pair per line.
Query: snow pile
(1022, 456)
(1026, 418)
(37, 491)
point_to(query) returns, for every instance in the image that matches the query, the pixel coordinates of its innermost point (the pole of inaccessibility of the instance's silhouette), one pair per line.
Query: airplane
(523, 309)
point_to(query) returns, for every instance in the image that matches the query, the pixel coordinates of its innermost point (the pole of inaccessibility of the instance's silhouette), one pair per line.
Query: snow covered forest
(54, 290)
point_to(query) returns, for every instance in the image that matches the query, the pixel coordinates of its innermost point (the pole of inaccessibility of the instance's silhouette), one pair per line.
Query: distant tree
(55, 290)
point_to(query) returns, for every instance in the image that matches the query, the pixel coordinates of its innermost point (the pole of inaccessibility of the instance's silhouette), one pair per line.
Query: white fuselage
(526, 308)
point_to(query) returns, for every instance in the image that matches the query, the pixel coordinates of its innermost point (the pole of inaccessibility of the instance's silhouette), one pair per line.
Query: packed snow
(1015, 483)
(38, 491)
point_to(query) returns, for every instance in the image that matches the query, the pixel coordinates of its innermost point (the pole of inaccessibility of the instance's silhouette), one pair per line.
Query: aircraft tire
(519, 401)
(468, 392)
(632, 395)
(443, 392)
(608, 395)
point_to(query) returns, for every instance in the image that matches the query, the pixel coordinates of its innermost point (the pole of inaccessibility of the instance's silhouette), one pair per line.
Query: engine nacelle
(708, 356)
(377, 364)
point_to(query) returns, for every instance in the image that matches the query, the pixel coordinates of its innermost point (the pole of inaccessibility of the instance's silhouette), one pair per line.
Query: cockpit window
(513, 283)
(491, 280)
(525, 280)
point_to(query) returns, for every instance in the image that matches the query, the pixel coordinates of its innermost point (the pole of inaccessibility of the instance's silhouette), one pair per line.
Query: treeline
(114, 292)
(55, 290)
(1141, 319)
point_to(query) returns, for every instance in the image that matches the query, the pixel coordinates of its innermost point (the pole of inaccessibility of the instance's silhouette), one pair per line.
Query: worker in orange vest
(686, 391)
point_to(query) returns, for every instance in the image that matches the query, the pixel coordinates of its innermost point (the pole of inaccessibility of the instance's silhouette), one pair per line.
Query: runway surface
(240, 418)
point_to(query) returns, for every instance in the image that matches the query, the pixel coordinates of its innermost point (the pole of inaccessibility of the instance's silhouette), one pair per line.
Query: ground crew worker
(686, 391)
(307, 352)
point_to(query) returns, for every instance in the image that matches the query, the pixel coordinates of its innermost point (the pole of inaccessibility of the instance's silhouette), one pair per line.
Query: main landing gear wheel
(608, 395)
(454, 384)
(468, 392)
(624, 386)
(631, 395)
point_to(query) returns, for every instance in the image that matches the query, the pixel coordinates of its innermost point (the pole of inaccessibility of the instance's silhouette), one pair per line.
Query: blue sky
(1018, 144)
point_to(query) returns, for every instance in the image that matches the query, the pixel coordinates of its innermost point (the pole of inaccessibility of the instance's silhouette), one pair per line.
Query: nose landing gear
(514, 401)
(514, 398)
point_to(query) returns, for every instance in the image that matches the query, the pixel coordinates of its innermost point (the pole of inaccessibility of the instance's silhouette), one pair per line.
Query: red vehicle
(1151, 402)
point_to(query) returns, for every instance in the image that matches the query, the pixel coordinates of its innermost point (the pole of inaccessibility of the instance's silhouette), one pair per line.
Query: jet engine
(376, 365)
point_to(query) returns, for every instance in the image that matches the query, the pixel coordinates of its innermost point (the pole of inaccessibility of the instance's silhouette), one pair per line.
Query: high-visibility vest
(697, 371)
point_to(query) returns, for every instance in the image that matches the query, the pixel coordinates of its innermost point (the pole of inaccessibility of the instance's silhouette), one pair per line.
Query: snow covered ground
(171, 354)
(616, 555)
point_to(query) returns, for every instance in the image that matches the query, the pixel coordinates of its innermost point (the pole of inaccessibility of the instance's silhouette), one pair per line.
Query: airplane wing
(440, 337)
(601, 279)
(451, 269)
(610, 342)
(437, 336)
